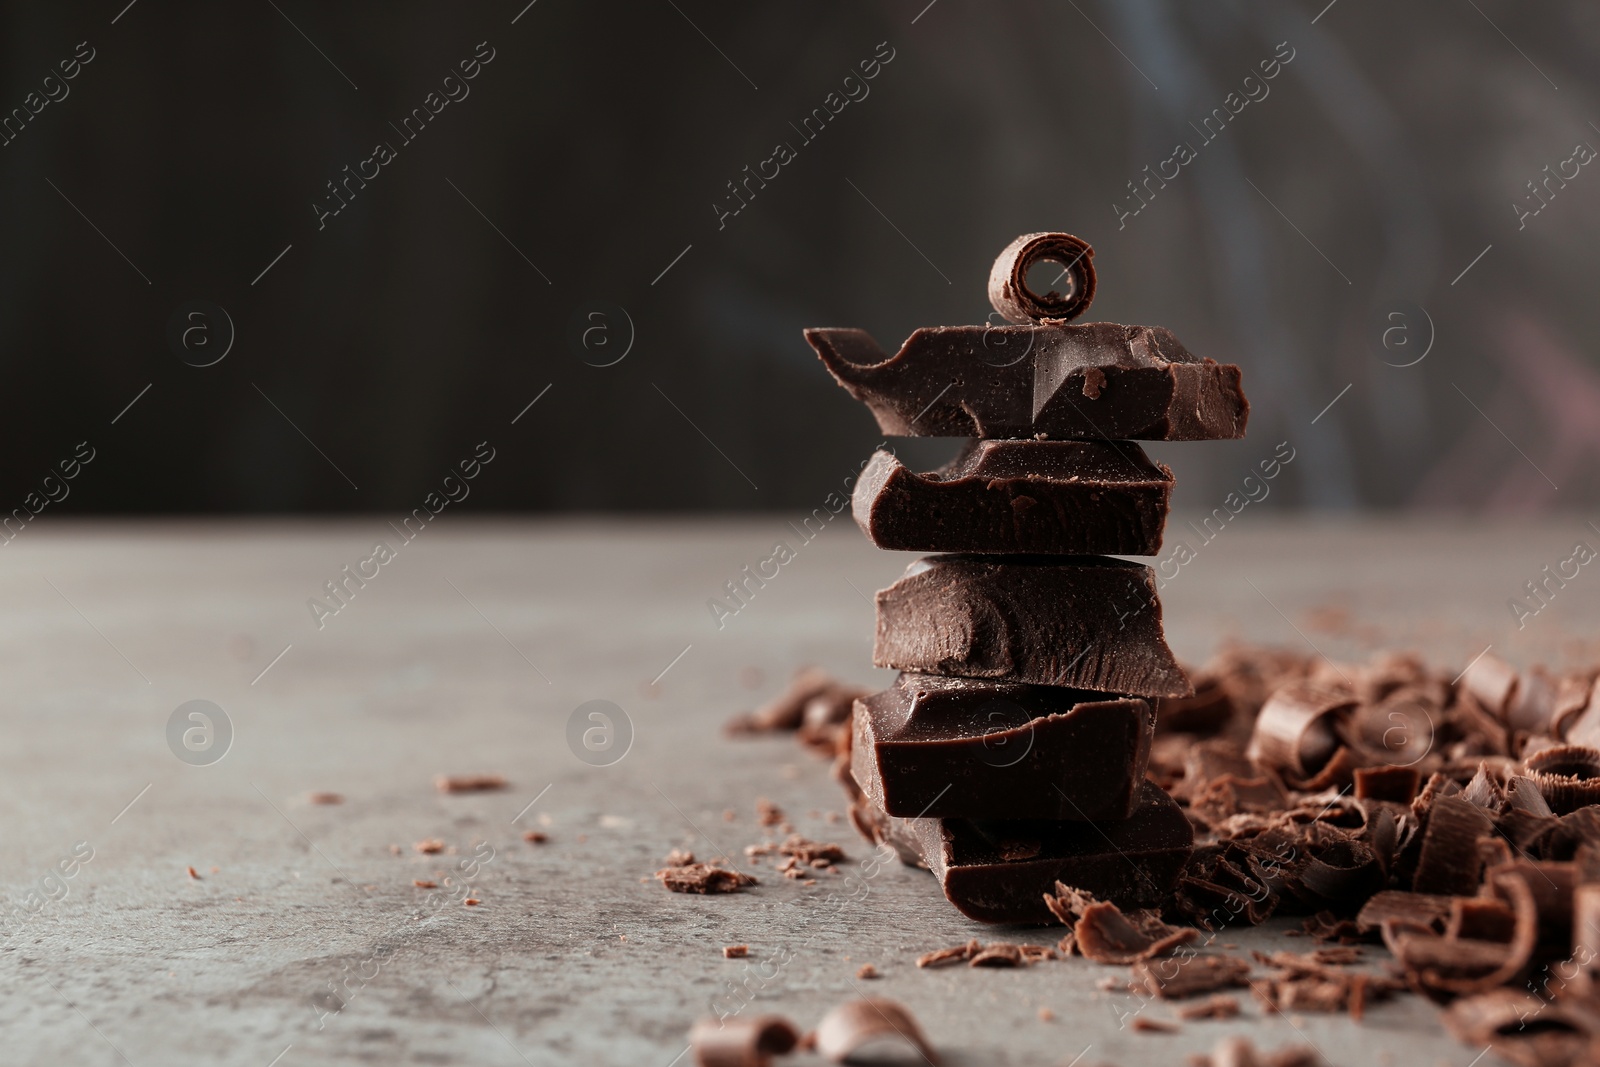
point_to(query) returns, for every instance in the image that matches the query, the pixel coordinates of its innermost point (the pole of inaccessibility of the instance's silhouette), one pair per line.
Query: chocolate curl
(1449, 861)
(1568, 776)
(1297, 732)
(1008, 280)
(741, 1042)
(857, 1022)
(1500, 1019)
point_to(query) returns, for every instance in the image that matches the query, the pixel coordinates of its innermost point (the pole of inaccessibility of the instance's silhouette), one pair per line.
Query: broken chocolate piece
(1057, 497)
(742, 1041)
(1082, 622)
(704, 878)
(1395, 784)
(469, 783)
(1100, 381)
(938, 747)
(1008, 278)
(1132, 863)
(857, 1023)
(786, 711)
(939, 957)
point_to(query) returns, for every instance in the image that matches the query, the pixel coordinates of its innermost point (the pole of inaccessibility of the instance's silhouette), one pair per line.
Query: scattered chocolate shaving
(1104, 935)
(940, 957)
(735, 952)
(535, 837)
(1239, 1052)
(1186, 976)
(857, 1023)
(1046, 1015)
(742, 1042)
(1216, 1006)
(866, 971)
(193, 874)
(1449, 861)
(1146, 1025)
(704, 878)
(1523, 1028)
(429, 846)
(1567, 776)
(678, 857)
(469, 783)
(997, 954)
(423, 883)
(1395, 784)
(471, 902)
(325, 798)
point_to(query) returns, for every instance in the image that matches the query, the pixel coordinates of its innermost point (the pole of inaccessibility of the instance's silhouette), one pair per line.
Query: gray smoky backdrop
(273, 255)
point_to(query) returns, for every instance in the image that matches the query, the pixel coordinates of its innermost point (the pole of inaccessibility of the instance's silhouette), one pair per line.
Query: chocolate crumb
(535, 837)
(194, 874)
(469, 783)
(742, 1041)
(422, 883)
(1046, 1015)
(942, 956)
(865, 971)
(735, 952)
(428, 846)
(325, 798)
(768, 813)
(471, 902)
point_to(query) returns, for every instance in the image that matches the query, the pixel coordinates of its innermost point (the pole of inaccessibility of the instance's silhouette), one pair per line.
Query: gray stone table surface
(468, 652)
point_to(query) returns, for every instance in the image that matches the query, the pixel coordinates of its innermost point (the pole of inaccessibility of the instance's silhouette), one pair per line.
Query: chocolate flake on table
(704, 878)
(469, 783)
(1216, 1006)
(678, 857)
(742, 1041)
(787, 711)
(535, 837)
(941, 957)
(768, 813)
(1145, 1024)
(1056, 497)
(1181, 977)
(735, 952)
(324, 797)
(429, 846)
(1240, 1052)
(866, 971)
(1081, 622)
(869, 1020)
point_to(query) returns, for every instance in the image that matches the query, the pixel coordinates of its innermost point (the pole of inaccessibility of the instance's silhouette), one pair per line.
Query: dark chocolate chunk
(1008, 279)
(1061, 497)
(1081, 622)
(1100, 381)
(1000, 871)
(938, 747)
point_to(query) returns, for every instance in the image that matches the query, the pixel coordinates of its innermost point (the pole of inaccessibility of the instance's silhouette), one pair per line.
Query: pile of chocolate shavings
(1453, 820)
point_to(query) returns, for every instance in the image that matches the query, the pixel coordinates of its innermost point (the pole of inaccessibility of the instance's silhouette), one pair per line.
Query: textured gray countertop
(468, 652)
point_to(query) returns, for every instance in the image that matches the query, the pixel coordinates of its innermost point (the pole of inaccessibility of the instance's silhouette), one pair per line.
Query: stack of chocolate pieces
(1011, 752)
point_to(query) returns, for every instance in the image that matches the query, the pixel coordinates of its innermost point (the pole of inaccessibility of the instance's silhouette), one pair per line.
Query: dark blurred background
(1377, 175)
